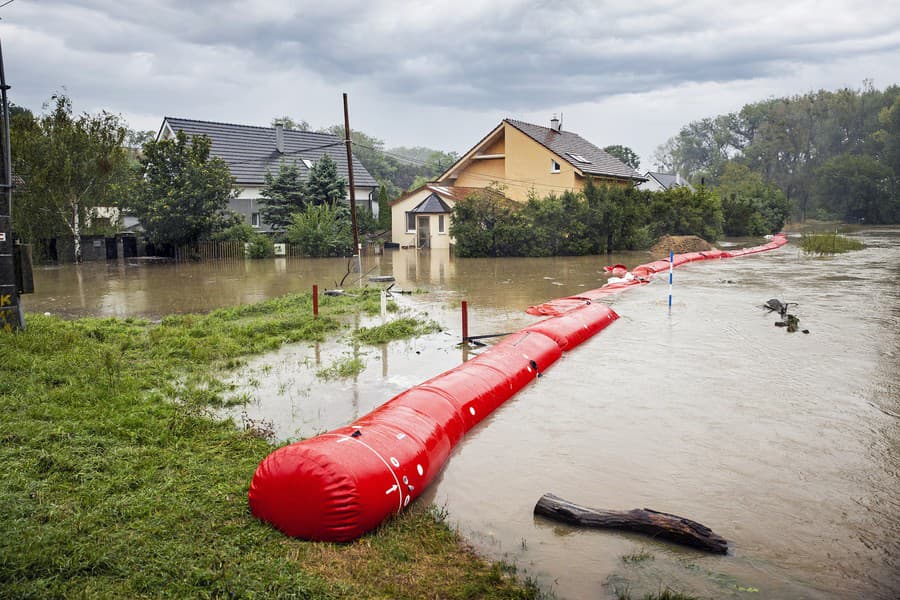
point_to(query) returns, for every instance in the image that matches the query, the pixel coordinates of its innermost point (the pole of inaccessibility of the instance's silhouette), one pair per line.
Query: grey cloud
(507, 54)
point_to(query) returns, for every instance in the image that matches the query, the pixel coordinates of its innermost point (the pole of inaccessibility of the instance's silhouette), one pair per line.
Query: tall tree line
(834, 154)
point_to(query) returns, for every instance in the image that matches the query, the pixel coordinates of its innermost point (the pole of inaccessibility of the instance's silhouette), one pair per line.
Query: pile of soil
(679, 244)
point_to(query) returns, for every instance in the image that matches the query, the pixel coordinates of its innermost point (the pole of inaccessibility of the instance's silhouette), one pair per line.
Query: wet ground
(788, 445)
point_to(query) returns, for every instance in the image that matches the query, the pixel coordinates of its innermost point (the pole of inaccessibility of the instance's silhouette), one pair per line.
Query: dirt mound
(679, 244)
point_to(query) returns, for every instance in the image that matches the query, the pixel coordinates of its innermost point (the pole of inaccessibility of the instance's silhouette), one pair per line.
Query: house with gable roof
(251, 151)
(517, 158)
(660, 182)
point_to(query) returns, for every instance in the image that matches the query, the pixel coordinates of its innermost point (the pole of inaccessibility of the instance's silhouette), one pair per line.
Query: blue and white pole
(671, 269)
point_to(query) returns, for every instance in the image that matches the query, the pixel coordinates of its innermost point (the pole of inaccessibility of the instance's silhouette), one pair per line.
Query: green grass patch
(828, 243)
(116, 481)
(398, 329)
(344, 368)
(666, 594)
(637, 557)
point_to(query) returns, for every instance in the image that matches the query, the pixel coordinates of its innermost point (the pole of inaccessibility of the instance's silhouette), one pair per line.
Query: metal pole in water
(671, 269)
(465, 322)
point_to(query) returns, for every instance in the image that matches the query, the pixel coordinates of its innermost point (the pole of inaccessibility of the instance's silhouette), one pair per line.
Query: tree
(750, 204)
(324, 185)
(283, 195)
(856, 187)
(322, 230)
(384, 209)
(185, 193)
(290, 123)
(70, 165)
(625, 154)
(487, 224)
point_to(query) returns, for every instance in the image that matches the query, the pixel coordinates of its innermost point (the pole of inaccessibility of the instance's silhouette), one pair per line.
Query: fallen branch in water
(654, 523)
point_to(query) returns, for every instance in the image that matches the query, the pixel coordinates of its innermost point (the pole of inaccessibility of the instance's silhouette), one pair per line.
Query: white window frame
(410, 214)
(441, 227)
(254, 219)
(554, 166)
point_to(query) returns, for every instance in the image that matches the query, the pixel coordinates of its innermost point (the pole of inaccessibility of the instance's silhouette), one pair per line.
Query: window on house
(254, 219)
(554, 166)
(440, 223)
(410, 221)
(579, 158)
(307, 162)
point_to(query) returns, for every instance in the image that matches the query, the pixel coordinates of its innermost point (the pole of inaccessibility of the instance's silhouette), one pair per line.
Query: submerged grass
(398, 329)
(828, 243)
(115, 481)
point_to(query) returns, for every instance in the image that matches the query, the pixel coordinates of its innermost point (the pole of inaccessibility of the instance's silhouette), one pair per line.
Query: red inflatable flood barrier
(644, 273)
(342, 484)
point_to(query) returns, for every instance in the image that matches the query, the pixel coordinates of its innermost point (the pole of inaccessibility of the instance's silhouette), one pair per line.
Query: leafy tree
(398, 168)
(324, 185)
(625, 154)
(384, 208)
(787, 140)
(290, 123)
(487, 224)
(70, 164)
(679, 211)
(750, 204)
(283, 195)
(136, 139)
(322, 230)
(185, 193)
(889, 135)
(857, 187)
(617, 217)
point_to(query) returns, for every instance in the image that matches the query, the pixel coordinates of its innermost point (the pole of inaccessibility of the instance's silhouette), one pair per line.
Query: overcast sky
(442, 74)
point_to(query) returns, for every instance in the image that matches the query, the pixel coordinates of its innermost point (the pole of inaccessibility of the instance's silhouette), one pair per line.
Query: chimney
(279, 138)
(554, 123)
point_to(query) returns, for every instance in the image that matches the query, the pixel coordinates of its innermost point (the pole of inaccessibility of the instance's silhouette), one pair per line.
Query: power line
(6, 3)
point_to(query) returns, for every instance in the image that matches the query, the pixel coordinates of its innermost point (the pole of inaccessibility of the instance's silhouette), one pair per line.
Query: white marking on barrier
(391, 489)
(381, 458)
(472, 410)
(406, 501)
(342, 440)
(420, 470)
(395, 462)
(400, 436)
(405, 480)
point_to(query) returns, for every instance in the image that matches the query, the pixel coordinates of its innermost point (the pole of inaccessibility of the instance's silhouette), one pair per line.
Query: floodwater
(787, 445)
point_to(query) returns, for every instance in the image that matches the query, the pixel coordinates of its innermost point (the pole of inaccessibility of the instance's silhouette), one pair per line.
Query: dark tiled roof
(432, 204)
(668, 181)
(565, 144)
(250, 151)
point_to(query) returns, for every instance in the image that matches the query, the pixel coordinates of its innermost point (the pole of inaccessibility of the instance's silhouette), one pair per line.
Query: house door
(423, 231)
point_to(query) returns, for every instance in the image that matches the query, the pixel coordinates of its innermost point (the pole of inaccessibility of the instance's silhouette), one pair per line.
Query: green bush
(238, 232)
(322, 230)
(261, 246)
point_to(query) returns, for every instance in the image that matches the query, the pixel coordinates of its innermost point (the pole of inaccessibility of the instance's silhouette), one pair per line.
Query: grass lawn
(116, 481)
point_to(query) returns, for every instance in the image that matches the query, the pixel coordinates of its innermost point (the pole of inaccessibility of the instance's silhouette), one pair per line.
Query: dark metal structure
(12, 282)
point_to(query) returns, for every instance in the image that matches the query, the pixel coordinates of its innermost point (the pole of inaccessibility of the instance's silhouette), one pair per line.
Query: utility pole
(11, 316)
(356, 247)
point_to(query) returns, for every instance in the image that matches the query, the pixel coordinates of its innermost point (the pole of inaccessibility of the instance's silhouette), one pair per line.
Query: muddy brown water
(788, 445)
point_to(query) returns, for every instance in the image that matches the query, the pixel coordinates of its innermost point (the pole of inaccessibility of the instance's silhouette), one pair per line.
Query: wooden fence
(224, 251)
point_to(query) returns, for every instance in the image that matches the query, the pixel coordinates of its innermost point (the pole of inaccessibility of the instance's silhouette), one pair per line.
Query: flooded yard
(787, 445)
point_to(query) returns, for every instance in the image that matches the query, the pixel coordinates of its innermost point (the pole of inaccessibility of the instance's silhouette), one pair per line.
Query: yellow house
(421, 218)
(516, 157)
(524, 158)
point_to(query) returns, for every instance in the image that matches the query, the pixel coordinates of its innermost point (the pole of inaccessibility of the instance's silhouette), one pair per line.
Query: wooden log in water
(654, 523)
